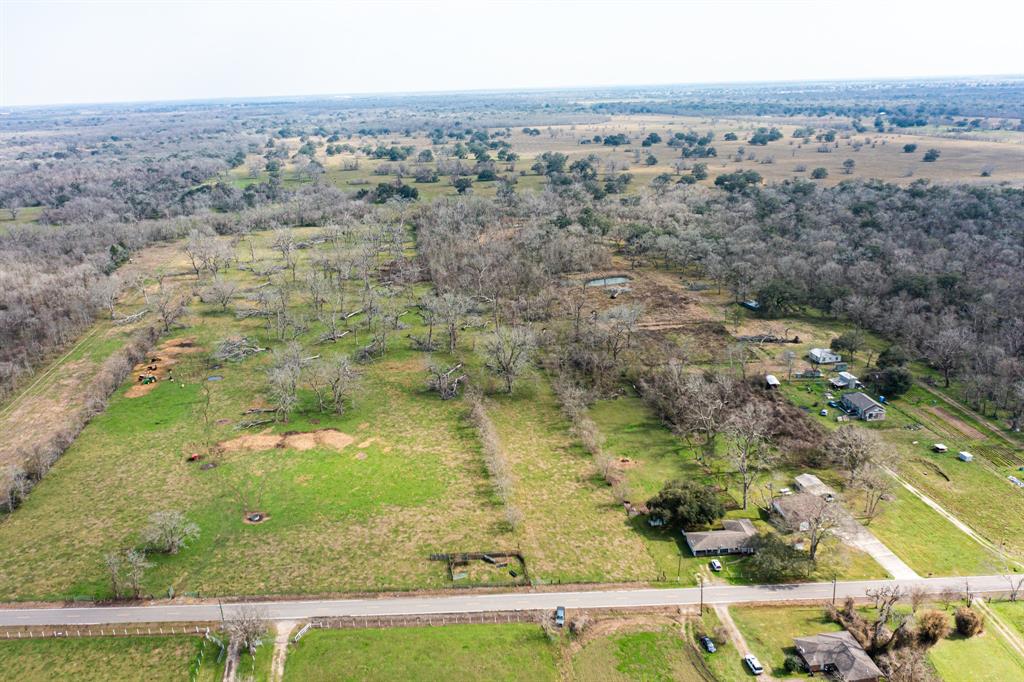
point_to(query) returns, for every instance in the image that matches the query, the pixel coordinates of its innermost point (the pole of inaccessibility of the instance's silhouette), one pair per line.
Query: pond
(608, 281)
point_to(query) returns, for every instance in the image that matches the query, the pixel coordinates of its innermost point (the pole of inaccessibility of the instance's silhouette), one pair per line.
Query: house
(965, 456)
(770, 381)
(809, 483)
(795, 512)
(845, 380)
(823, 356)
(839, 655)
(863, 406)
(736, 537)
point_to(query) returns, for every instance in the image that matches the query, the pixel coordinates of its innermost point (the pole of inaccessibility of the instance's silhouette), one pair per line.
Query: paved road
(476, 603)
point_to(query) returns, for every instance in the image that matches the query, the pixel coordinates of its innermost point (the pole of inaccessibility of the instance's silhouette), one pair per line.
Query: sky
(84, 52)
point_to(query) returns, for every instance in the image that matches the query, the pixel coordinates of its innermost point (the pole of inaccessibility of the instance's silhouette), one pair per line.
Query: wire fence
(427, 619)
(103, 631)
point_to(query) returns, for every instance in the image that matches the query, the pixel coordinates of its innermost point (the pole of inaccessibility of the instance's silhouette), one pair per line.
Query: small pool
(214, 378)
(608, 281)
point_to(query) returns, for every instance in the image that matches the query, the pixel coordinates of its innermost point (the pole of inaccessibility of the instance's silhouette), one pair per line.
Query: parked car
(754, 664)
(824, 413)
(560, 616)
(833, 403)
(708, 644)
(715, 565)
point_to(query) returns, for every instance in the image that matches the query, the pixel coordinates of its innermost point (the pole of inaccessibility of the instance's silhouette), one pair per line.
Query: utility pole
(702, 593)
(679, 566)
(833, 590)
(221, 606)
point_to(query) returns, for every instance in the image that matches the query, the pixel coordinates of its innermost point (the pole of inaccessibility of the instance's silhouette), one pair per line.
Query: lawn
(1011, 613)
(770, 631)
(472, 652)
(982, 658)
(649, 654)
(99, 659)
(926, 541)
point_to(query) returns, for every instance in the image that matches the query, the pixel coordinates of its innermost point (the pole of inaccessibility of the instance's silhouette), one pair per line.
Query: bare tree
(283, 378)
(876, 486)
(333, 381)
(948, 350)
(222, 292)
(168, 532)
(451, 309)
(247, 626)
(855, 450)
(126, 569)
(822, 520)
(169, 305)
(106, 292)
(508, 351)
(750, 453)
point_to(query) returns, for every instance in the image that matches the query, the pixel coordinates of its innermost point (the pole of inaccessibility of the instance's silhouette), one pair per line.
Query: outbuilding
(939, 447)
(845, 380)
(823, 356)
(965, 456)
(770, 381)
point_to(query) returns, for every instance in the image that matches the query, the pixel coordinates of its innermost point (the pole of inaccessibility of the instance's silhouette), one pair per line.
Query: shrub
(968, 621)
(819, 173)
(932, 626)
(794, 664)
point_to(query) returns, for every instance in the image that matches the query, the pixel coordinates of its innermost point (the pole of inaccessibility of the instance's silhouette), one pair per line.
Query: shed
(845, 380)
(823, 356)
(965, 456)
(770, 381)
(809, 483)
(939, 447)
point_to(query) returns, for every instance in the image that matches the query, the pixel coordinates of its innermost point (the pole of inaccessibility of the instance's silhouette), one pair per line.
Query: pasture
(145, 659)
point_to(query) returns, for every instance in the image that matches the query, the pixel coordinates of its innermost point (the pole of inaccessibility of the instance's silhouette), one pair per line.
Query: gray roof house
(837, 654)
(864, 407)
(736, 537)
(796, 511)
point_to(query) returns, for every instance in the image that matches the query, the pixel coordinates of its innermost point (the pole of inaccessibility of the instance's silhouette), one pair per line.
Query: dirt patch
(960, 425)
(159, 365)
(360, 456)
(258, 442)
(367, 443)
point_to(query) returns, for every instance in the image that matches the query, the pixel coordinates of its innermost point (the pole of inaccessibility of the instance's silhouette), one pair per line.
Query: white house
(823, 356)
(845, 380)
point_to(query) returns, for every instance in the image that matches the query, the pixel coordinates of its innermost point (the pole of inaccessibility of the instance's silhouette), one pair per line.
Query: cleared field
(649, 654)
(573, 528)
(477, 652)
(146, 659)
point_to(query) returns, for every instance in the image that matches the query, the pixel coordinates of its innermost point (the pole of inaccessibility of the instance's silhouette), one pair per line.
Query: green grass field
(647, 654)
(770, 631)
(146, 659)
(982, 658)
(475, 652)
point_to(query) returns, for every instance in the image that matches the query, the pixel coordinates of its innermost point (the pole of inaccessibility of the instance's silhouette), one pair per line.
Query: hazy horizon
(76, 53)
